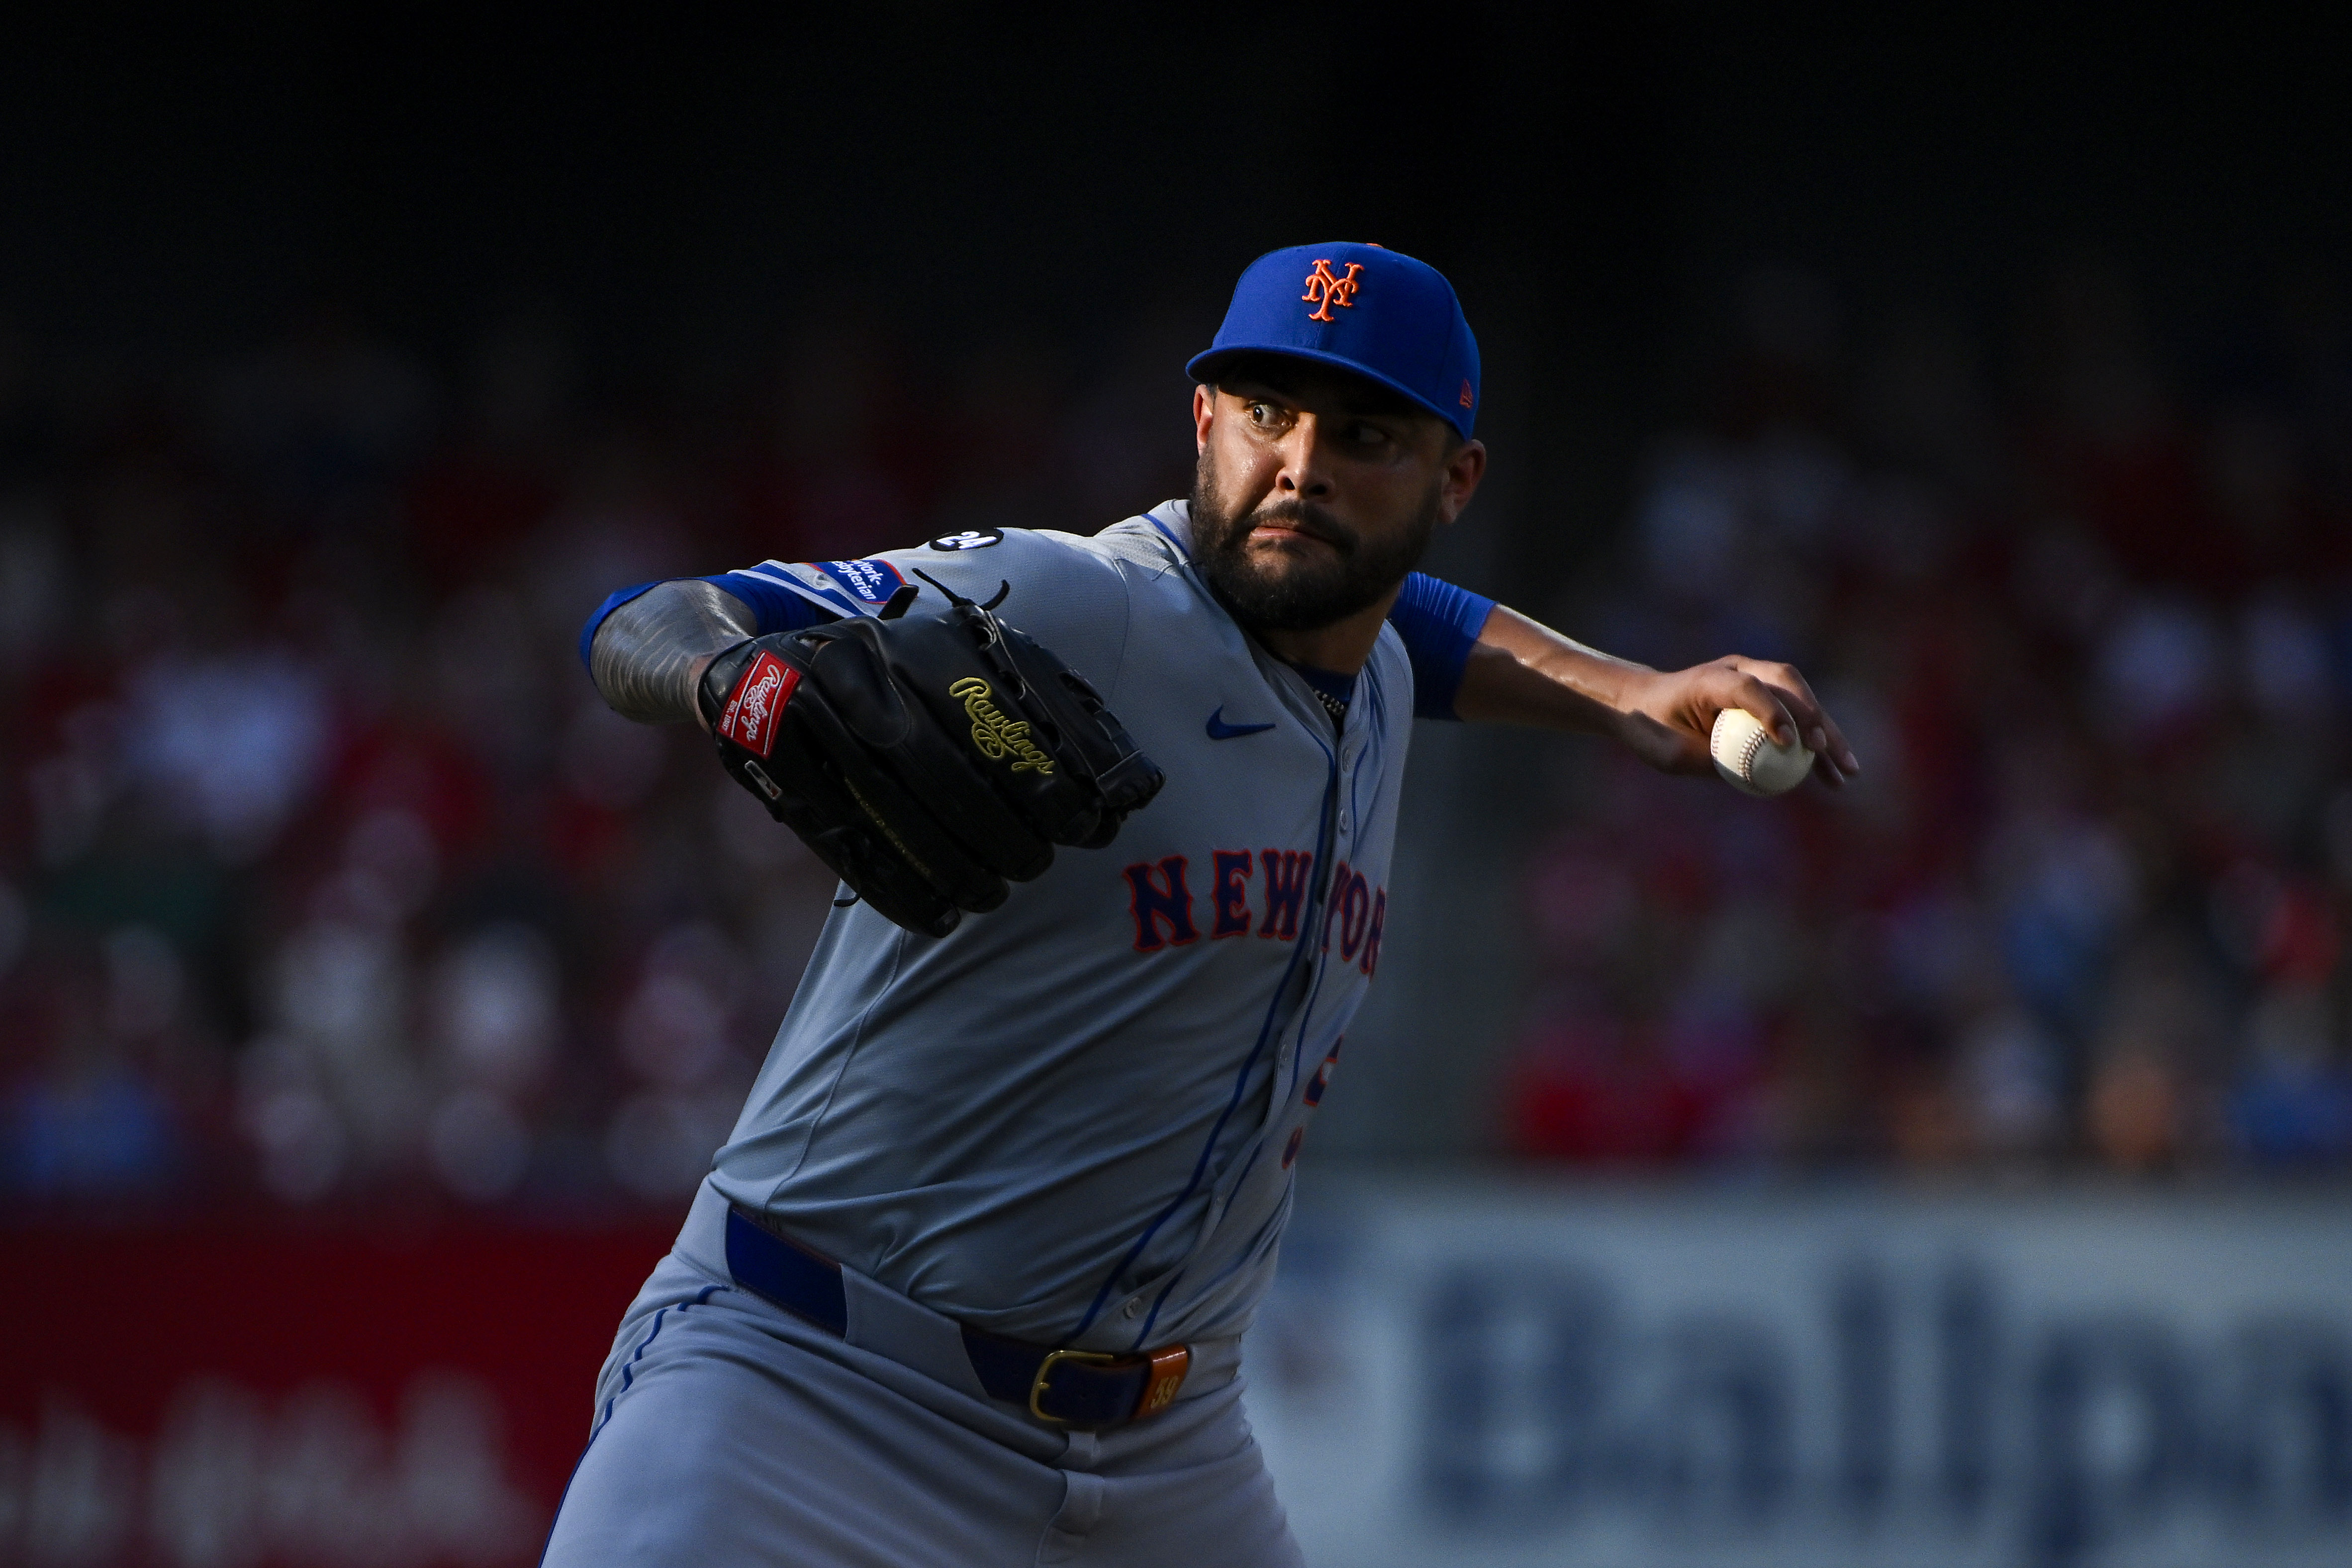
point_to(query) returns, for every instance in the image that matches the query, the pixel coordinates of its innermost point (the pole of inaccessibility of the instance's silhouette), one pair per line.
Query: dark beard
(1281, 593)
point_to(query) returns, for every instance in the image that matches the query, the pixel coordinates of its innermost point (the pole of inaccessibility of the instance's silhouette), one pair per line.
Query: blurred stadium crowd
(325, 877)
(326, 873)
(2085, 607)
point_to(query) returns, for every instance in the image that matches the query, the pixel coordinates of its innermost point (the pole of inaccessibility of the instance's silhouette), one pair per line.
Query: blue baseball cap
(1378, 313)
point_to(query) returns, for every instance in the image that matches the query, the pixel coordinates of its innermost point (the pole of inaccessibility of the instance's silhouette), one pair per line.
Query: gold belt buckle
(1046, 1373)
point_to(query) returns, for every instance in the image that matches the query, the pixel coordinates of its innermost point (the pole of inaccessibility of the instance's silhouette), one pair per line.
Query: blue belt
(1085, 1389)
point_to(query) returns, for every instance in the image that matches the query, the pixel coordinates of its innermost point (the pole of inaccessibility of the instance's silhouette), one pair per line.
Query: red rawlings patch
(758, 704)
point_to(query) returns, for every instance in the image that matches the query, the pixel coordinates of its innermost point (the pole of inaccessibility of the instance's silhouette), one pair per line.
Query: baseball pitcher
(1113, 816)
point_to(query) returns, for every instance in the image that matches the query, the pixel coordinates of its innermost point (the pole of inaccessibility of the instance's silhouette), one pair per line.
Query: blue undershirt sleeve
(773, 609)
(1439, 624)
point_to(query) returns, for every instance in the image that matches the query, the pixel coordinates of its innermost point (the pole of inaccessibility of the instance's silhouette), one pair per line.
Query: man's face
(1317, 491)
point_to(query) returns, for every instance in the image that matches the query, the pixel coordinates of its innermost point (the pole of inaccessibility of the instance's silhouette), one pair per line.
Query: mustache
(1303, 516)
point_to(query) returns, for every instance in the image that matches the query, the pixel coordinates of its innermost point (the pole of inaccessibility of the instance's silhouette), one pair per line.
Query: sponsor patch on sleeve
(837, 587)
(758, 705)
(872, 581)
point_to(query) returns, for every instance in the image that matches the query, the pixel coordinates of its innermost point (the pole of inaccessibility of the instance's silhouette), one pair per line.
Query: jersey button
(1347, 823)
(1132, 1308)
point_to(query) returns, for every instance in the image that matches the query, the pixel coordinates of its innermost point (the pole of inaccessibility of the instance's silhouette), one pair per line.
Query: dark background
(1591, 181)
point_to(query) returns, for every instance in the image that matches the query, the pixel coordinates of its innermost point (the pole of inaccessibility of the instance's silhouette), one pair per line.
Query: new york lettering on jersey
(1162, 901)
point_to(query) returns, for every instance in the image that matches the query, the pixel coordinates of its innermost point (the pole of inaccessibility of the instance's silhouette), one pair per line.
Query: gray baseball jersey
(1074, 1120)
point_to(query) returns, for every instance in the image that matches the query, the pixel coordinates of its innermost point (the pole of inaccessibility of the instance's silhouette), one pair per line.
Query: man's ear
(1204, 415)
(1460, 480)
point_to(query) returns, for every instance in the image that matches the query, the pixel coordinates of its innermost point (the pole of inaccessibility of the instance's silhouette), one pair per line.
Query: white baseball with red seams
(1751, 760)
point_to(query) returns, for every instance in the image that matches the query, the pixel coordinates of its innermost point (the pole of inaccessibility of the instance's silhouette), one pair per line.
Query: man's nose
(1304, 471)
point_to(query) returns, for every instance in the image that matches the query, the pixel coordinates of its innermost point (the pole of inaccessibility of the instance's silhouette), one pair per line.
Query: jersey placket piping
(1279, 1113)
(1309, 941)
(1307, 933)
(1283, 1112)
(1311, 924)
(1353, 786)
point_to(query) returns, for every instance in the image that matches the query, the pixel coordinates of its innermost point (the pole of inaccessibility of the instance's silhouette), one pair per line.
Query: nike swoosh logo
(1220, 730)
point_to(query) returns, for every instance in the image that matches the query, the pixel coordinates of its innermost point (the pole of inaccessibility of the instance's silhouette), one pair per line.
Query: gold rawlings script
(997, 736)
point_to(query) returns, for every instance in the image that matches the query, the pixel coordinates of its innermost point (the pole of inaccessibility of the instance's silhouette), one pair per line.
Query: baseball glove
(928, 759)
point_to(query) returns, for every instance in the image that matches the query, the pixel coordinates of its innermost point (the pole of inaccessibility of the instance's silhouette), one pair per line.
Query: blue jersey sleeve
(1439, 624)
(774, 607)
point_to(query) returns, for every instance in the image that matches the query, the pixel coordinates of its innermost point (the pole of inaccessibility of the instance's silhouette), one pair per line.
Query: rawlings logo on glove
(996, 736)
(766, 687)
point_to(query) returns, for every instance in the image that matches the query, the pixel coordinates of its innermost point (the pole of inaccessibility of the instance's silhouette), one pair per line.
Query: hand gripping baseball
(928, 759)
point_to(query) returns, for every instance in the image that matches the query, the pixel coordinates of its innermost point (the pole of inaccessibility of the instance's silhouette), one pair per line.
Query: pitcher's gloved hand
(928, 759)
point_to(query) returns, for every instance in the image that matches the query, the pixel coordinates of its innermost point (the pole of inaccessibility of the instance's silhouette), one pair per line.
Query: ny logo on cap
(1326, 290)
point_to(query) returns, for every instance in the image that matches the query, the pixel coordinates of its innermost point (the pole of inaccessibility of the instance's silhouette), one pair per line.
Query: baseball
(1751, 760)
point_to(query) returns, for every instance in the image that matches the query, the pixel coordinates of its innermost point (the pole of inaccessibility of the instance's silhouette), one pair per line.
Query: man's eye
(1261, 413)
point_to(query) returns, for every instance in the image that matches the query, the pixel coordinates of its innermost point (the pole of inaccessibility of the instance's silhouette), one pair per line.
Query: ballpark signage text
(1486, 1374)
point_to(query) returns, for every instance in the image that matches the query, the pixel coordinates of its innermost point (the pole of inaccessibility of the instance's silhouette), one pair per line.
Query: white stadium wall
(1498, 1374)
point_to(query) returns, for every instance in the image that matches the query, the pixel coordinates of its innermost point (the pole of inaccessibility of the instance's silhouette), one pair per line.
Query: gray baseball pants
(729, 1433)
